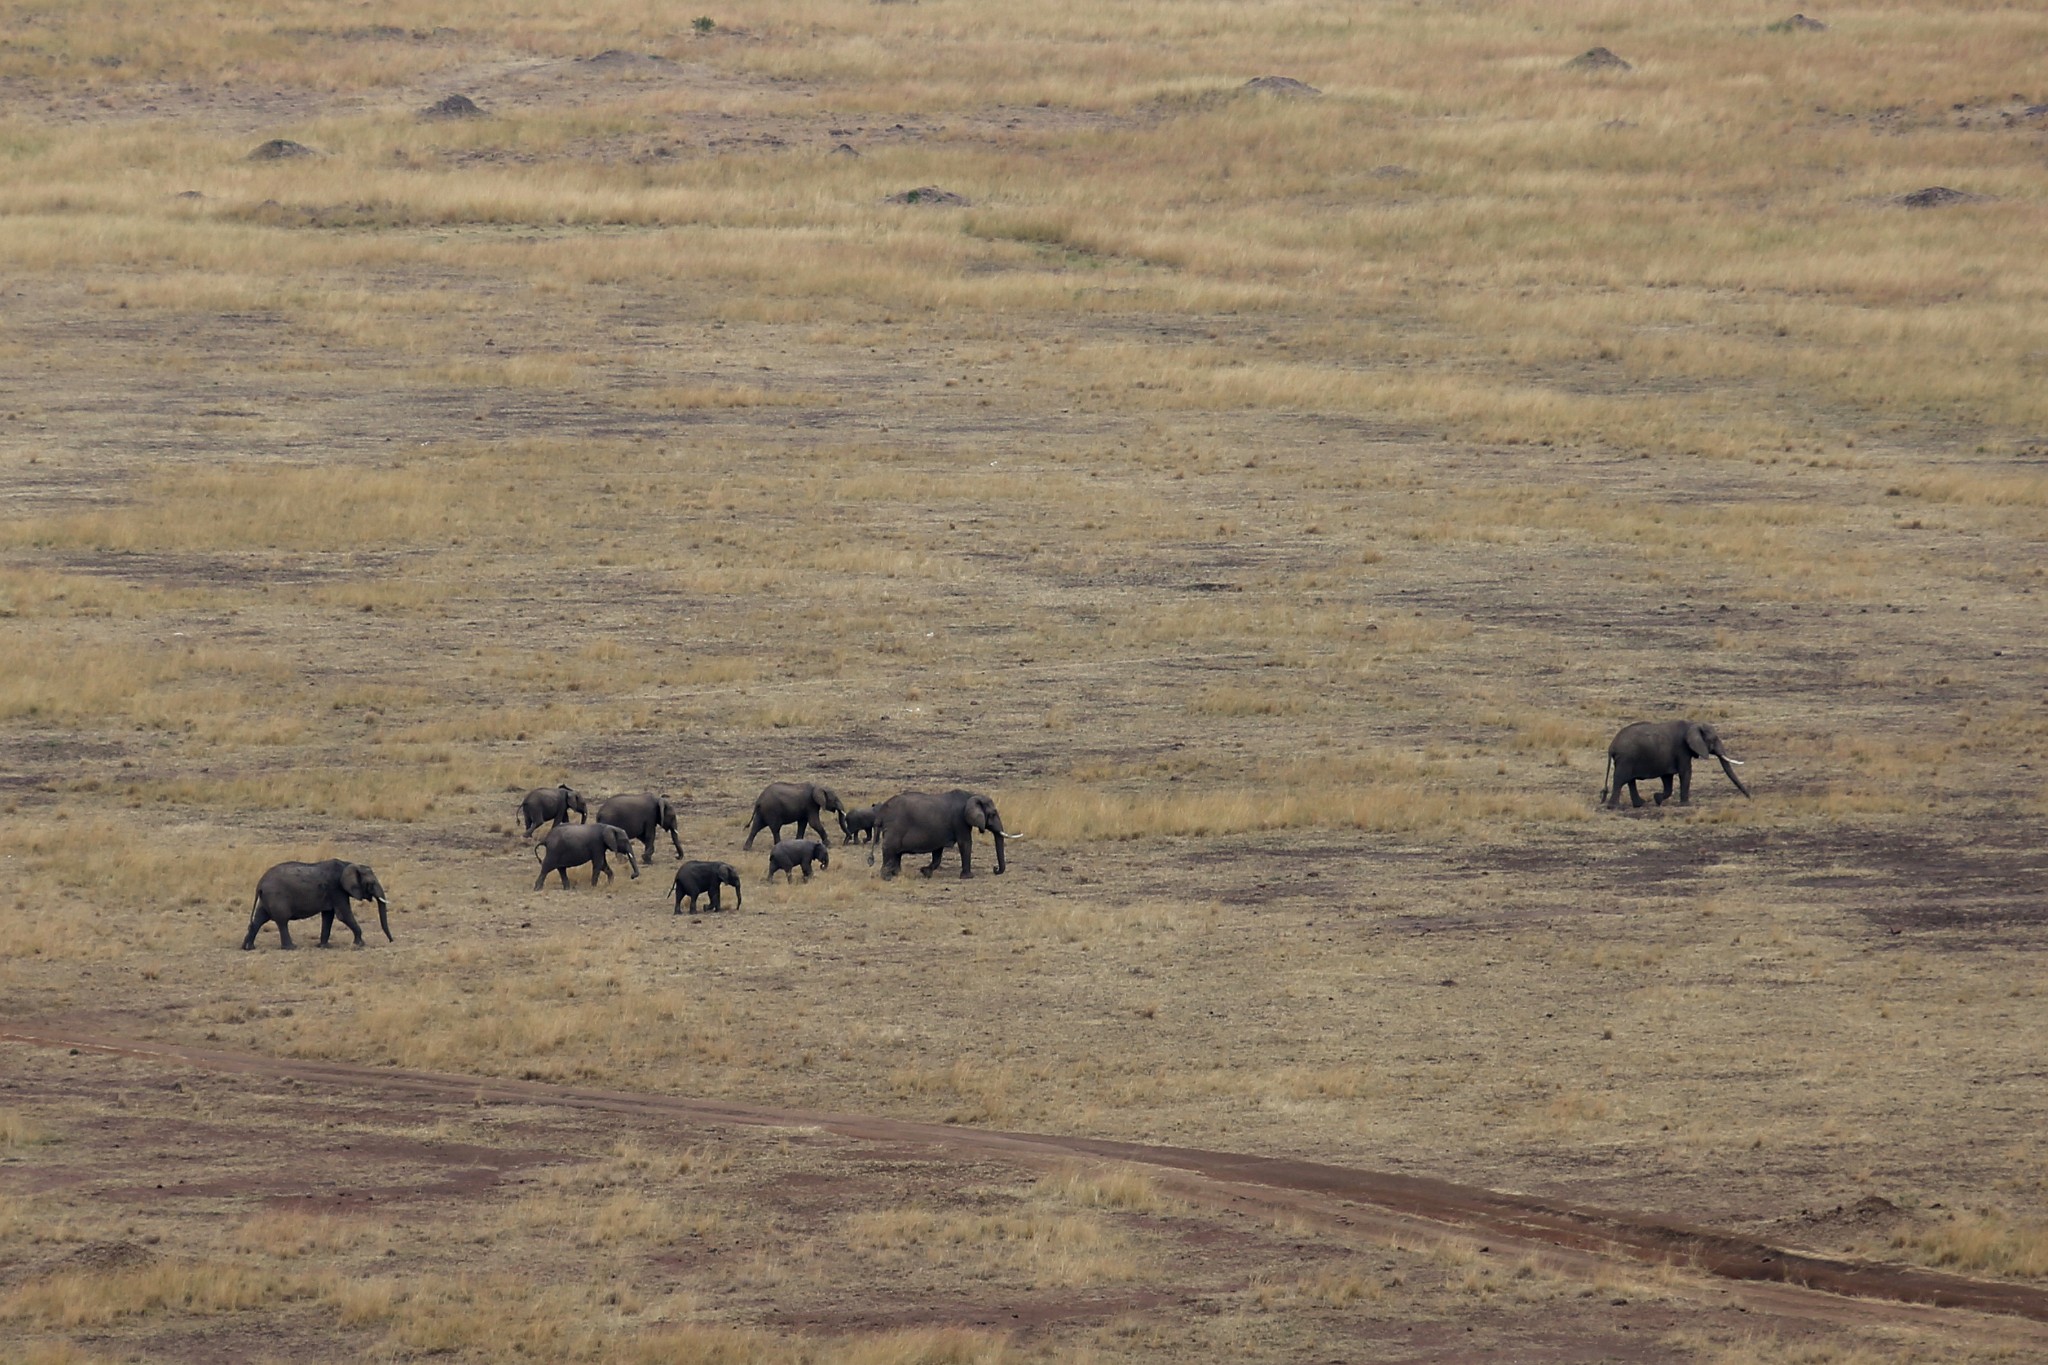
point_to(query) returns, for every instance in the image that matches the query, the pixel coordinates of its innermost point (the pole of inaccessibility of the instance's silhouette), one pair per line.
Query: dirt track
(1375, 1205)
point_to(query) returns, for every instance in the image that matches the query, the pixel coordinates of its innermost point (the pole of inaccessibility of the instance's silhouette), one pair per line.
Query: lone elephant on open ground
(1662, 748)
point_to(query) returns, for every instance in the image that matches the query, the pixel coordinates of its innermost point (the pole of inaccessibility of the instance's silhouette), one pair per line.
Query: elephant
(854, 823)
(543, 804)
(794, 853)
(292, 891)
(699, 879)
(798, 803)
(567, 846)
(640, 816)
(1660, 748)
(919, 822)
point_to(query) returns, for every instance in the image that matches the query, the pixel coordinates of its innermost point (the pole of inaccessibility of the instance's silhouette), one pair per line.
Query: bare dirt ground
(1277, 540)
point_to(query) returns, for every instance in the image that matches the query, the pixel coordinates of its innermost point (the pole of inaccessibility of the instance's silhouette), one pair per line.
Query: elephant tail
(540, 852)
(1605, 774)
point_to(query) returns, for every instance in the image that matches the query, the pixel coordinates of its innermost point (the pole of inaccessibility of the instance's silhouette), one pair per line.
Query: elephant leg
(284, 935)
(753, 829)
(348, 918)
(1635, 797)
(256, 922)
(542, 879)
(597, 865)
(1665, 795)
(326, 926)
(818, 824)
(966, 856)
(937, 858)
(1684, 784)
(892, 863)
(563, 873)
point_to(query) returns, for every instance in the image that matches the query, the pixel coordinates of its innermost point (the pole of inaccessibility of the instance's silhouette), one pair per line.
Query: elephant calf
(1662, 748)
(702, 879)
(567, 846)
(794, 853)
(853, 824)
(544, 804)
(292, 891)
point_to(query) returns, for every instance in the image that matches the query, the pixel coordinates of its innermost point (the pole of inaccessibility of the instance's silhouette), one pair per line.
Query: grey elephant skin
(1662, 749)
(919, 822)
(567, 846)
(292, 891)
(795, 853)
(640, 815)
(791, 803)
(858, 826)
(543, 805)
(704, 879)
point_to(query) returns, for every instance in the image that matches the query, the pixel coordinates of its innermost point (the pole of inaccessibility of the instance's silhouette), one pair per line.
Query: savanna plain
(1273, 496)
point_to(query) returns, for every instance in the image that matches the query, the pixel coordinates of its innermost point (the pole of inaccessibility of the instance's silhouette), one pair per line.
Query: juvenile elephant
(567, 846)
(544, 804)
(794, 853)
(786, 803)
(640, 815)
(919, 822)
(1660, 748)
(855, 823)
(700, 879)
(292, 891)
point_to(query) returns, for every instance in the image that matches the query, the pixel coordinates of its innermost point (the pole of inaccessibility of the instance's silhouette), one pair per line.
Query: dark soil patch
(1938, 196)
(1284, 86)
(929, 194)
(1798, 23)
(280, 149)
(1598, 59)
(454, 107)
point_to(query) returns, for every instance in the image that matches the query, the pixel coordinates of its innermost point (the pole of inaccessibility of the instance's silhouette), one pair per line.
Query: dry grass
(1275, 504)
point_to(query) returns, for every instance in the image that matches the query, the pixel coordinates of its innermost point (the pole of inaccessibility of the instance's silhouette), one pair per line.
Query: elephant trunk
(997, 832)
(1731, 775)
(384, 918)
(632, 863)
(736, 901)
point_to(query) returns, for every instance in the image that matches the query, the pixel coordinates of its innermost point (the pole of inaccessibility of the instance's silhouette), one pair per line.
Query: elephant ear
(352, 881)
(1696, 740)
(977, 812)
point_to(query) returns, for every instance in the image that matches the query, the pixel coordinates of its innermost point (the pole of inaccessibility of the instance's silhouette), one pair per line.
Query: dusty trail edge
(1325, 1193)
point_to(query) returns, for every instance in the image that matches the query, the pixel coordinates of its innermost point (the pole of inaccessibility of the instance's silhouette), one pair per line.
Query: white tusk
(1736, 761)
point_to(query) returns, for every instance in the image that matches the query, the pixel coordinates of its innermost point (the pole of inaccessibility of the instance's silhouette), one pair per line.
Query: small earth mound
(455, 106)
(1285, 86)
(1937, 196)
(618, 56)
(1599, 59)
(844, 149)
(280, 149)
(1391, 172)
(1873, 1211)
(1798, 23)
(189, 194)
(928, 194)
(109, 1256)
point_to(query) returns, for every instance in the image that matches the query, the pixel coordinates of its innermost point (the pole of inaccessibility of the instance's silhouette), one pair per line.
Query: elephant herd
(912, 823)
(908, 823)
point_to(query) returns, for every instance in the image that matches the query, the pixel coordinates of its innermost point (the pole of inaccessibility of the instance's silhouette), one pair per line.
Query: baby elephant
(854, 823)
(292, 891)
(795, 853)
(704, 879)
(543, 804)
(567, 846)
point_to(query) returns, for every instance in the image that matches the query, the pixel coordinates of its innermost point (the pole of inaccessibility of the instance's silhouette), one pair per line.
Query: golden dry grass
(1275, 503)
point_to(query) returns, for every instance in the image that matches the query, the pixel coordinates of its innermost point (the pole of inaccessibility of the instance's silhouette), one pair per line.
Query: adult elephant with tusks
(797, 803)
(640, 815)
(567, 846)
(919, 822)
(292, 891)
(1662, 748)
